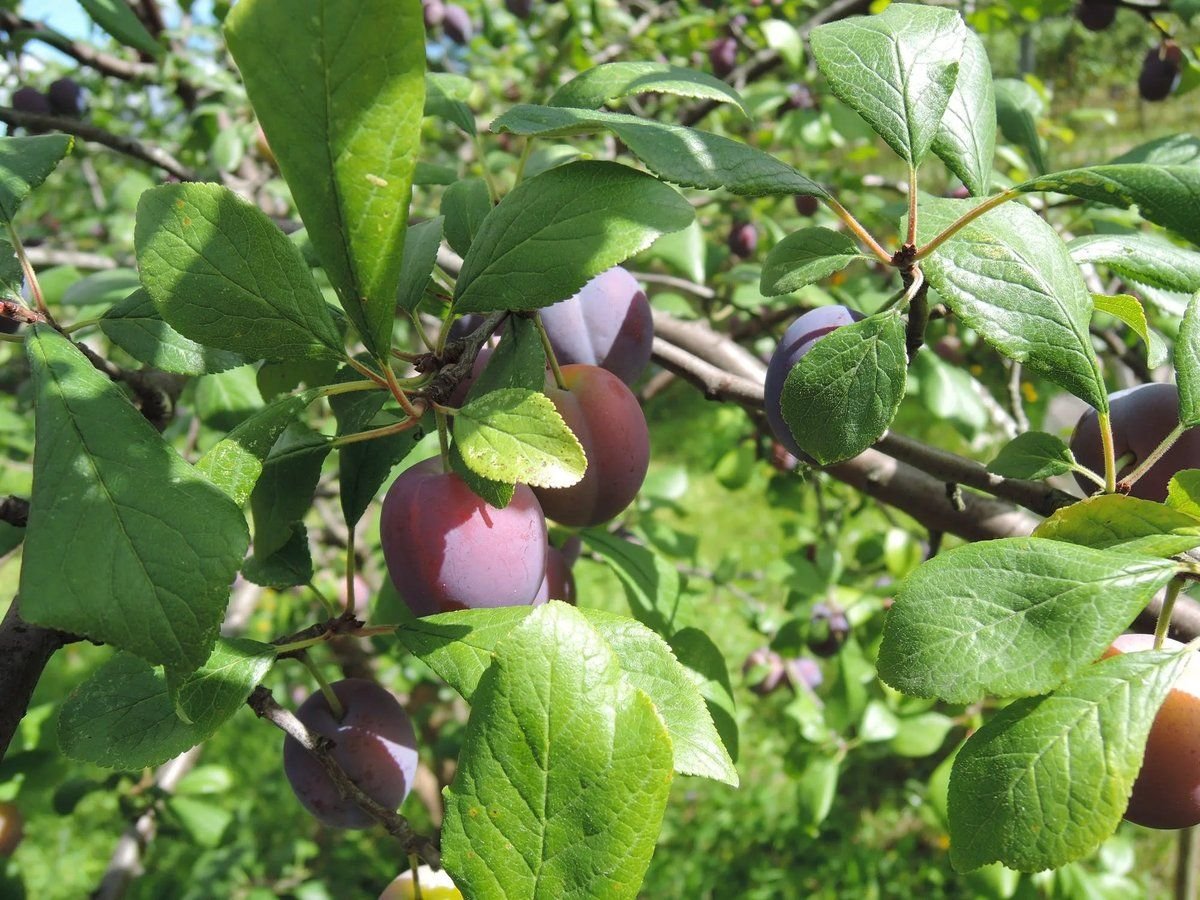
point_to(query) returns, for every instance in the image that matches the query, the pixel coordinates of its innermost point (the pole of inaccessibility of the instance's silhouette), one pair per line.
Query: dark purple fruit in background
(800, 96)
(559, 583)
(722, 56)
(435, 13)
(1141, 417)
(12, 828)
(1096, 15)
(743, 239)
(606, 417)
(767, 665)
(31, 100)
(607, 324)
(519, 8)
(798, 340)
(456, 22)
(66, 98)
(827, 630)
(806, 205)
(374, 743)
(447, 549)
(8, 325)
(1161, 70)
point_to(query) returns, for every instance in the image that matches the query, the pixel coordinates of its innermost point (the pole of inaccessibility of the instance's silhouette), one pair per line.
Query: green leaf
(363, 467)
(286, 486)
(135, 326)
(519, 361)
(1146, 258)
(1164, 195)
(706, 667)
(1187, 365)
(105, 287)
(122, 716)
(1129, 310)
(1034, 455)
(805, 257)
(649, 664)
(12, 279)
(1047, 779)
(1018, 108)
(842, 395)
(564, 773)
(25, 162)
(1183, 492)
(446, 97)
(784, 39)
(651, 583)
(517, 435)
(222, 274)
(1171, 150)
(235, 463)
(116, 17)
(556, 231)
(897, 70)
(339, 89)
(288, 566)
(682, 156)
(459, 646)
(1128, 524)
(153, 546)
(921, 735)
(465, 206)
(496, 493)
(420, 254)
(1009, 276)
(617, 80)
(1011, 617)
(966, 137)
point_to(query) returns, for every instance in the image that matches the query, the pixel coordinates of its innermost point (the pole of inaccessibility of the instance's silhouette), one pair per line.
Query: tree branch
(265, 707)
(24, 651)
(156, 156)
(106, 64)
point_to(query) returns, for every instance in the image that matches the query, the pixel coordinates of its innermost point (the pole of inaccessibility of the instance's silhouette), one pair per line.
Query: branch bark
(105, 63)
(24, 651)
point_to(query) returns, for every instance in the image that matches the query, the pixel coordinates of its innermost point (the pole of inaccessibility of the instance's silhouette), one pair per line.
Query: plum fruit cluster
(1166, 793)
(799, 338)
(374, 743)
(454, 21)
(64, 97)
(1141, 417)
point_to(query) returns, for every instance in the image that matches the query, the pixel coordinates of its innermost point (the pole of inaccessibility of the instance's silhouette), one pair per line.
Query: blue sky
(66, 16)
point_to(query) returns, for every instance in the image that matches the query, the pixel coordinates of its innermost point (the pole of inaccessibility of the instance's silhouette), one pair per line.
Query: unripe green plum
(607, 324)
(374, 743)
(1166, 793)
(1141, 417)
(799, 338)
(610, 425)
(447, 549)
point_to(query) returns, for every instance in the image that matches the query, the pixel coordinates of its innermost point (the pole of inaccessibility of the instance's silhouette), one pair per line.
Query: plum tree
(559, 583)
(374, 743)
(606, 324)
(456, 22)
(447, 549)
(609, 423)
(1141, 417)
(722, 55)
(1166, 793)
(798, 340)
(743, 239)
(1096, 15)
(12, 828)
(65, 97)
(435, 885)
(1161, 71)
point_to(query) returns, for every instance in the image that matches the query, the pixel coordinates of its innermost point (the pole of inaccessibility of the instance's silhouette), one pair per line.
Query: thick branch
(156, 156)
(24, 651)
(265, 707)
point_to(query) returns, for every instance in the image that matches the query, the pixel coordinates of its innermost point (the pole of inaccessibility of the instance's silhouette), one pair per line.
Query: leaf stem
(1110, 458)
(1164, 616)
(410, 409)
(372, 434)
(351, 562)
(493, 192)
(962, 221)
(349, 387)
(860, 232)
(35, 287)
(525, 153)
(550, 357)
(330, 606)
(366, 371)
(301, 645)
(414, 866)
(912, 207)
(443, 429)
(339, 711)
(1146, 464)
(77, 326)
(1089, 475)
